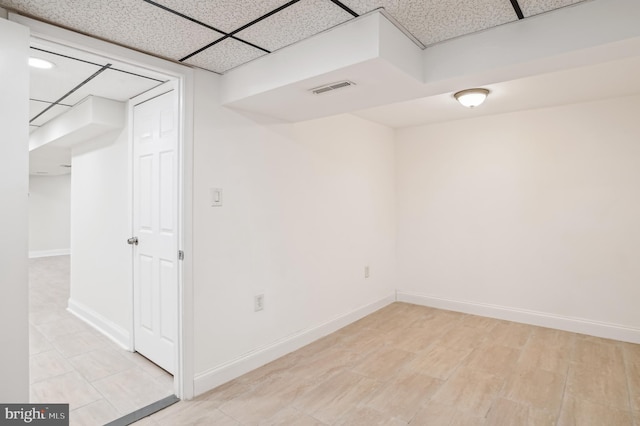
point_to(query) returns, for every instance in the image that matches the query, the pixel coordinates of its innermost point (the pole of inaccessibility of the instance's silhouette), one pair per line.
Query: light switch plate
(216, 197)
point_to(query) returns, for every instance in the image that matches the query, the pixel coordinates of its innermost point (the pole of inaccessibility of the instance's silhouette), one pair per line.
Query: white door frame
(184, 375)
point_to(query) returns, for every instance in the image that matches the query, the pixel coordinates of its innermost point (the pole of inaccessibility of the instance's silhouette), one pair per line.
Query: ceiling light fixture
(471, 97)
(40, 63)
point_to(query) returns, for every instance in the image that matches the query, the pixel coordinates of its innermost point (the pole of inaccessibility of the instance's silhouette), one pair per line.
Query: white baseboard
(47, 253)
(104, 325)
(542, 319)
(217, 376)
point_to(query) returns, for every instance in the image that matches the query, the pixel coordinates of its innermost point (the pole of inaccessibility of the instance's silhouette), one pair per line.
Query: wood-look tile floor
(408, 364)
(72, 363)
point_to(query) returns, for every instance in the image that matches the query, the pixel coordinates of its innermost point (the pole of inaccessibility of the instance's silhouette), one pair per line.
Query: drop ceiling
(75, 76)
(223, 35)
(219, 35)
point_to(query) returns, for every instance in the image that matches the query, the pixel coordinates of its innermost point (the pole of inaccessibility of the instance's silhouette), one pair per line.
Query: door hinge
(180, 255)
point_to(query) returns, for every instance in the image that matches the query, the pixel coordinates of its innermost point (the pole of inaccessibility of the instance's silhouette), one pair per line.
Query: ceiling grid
(219, 35)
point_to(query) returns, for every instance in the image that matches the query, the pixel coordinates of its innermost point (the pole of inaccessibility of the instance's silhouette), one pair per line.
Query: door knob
(132, 240)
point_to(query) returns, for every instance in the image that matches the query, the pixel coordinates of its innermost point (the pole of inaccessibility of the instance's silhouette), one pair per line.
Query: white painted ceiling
(580, 84)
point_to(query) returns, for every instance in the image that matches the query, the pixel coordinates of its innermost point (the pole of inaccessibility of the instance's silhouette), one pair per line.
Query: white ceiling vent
(332, 86)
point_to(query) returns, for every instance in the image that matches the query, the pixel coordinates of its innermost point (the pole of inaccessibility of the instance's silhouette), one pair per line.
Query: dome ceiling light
(471, 97)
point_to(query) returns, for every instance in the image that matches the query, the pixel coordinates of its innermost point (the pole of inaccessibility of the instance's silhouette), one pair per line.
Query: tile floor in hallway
(70, 362)
(408, 364)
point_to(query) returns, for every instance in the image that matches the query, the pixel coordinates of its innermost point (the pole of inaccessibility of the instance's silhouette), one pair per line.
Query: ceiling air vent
(332, 86)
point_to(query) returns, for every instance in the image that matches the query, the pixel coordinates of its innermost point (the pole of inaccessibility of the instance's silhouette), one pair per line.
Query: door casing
(184, 76)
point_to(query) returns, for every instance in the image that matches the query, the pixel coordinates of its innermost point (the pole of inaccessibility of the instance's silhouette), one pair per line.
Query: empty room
(332, 212)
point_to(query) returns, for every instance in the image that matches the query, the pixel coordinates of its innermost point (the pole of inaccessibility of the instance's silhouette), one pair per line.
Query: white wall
(527, 211)
(49, 215)
(306, 207)
(14, 172)
(100, 256)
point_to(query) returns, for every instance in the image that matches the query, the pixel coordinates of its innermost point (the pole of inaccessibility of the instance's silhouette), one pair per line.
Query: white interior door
(155, 225)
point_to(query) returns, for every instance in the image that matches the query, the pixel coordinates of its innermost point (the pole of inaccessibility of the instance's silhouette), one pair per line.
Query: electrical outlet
(366, 271)
(258, 302)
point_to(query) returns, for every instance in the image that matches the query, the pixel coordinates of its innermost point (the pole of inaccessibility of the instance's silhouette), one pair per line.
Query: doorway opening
(101, 167)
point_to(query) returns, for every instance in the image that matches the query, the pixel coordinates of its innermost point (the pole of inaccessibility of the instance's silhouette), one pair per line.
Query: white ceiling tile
(133, 23)
(112, 84)
(140, 71)
(225, 55)
(431, 21)
(535, 7)
(295, 23)
(36, 107)
(225, 15)
(66, 74)
(363, 6)
(52, 113)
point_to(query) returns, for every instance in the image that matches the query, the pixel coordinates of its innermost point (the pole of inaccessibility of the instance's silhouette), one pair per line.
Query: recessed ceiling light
(40, 63)
(471, 97)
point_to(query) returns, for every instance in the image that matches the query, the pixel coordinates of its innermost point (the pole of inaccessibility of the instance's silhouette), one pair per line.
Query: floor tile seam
(461, 364)
(308, 414)
(498, 395)
(625, 360)
(424, 400)
(138, 368)
(53, 339)
(48, 378)
(231, 416)
(524, 346)
(594, 371)
(426, 348)
(99, 393)
(599, 402)
(104, 348)
(293, 403)
(565, 387)
(84, 405)
(377, 378)
(530, 407)
(118, 413)
(183, 405)
(98, 379)
(72, 370)
(407, 369)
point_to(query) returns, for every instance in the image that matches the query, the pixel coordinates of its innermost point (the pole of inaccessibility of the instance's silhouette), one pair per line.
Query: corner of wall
(525, 316)
(219, 375)
(104, 325)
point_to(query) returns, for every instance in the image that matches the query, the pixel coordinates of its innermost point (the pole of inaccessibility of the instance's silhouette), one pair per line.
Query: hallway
(70, 362)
